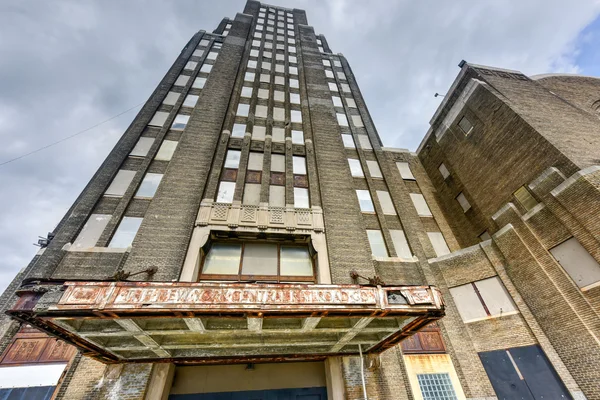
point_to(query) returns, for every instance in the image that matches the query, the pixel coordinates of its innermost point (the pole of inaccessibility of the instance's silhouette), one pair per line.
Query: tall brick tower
(249, 237)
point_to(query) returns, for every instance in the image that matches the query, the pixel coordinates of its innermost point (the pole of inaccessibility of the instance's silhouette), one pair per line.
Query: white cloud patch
(69, 65)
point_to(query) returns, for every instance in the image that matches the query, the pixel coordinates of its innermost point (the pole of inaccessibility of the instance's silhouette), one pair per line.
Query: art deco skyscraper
(249, 237)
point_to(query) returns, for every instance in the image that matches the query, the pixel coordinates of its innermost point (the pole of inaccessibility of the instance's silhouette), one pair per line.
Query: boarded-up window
(377, 244)
(420, 204)
(578, 263)
(386, 203)
(278, 135)
(255, 161)
(93, 228)
(465, 125)
(159, 118)
(525, 198)
(166, 150)
(277, 163)
(374, 170)
(348, 141)
(182, 80)
(364, 200)
(276, 196)
(171, 98)
(252, 194)
(357, 121)
(355, 168)
(444, 171)
(400, 244)
(464, 203)
(364, 142)
(438, 243)
(120, 183)
(405, 171)
(142, 147)
(481, 299)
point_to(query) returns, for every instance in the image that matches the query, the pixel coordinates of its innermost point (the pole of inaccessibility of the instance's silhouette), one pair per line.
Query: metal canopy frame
(214, 323)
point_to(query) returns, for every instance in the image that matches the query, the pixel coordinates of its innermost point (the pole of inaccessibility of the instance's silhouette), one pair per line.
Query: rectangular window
(351, 102)
(299, 165)
(327, 63)
(374, 170)
(420, 204)
(579, 264)
(276, 196)
(238, 130)
(278, 95)
(297, 137)
(265, 66)
(256, 260)
(345, 87)
(233, 159)
(482, 299)
(243, 110)
(525, 198)
(204, 43)
(198, 53)
(294, 83)
(191, 65)
(465, 125)
(296, 116)
(377, 244)
(277, 163)
(171, 98)
(261, 111)
(464, 203)
(341, 75)
(364, 200)
(332, 86)
(265, 78)
(258, 132)
(246, 91)
(405, 171)
(278, 135)
(120, 183)
(293, 70)
(249, 76)
(159, 118)
(357, 121)
(166, 150)
(199, 82)
(278, 114)
(387, 205)
(142, 147)
(438, 243)
(182, 80)
(364, 142)
(264, 94)
(226, 191)
(329, 73)
(190, 100)
(149, 185)
(301, 198)
(180, 122)
(444, 171)
(348, 141)
(484, 236)
(126, 232)
(91, 232)
(294, 98)
(401, 244)
(355, 168)
(337, 101)
(255, 161)
(436, 386)
(341, 119)
(251, 194)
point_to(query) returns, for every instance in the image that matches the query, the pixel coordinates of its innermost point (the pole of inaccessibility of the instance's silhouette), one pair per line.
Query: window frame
(268, 278)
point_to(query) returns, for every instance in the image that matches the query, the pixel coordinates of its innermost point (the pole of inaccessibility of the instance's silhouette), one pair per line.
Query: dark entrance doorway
(318, 393)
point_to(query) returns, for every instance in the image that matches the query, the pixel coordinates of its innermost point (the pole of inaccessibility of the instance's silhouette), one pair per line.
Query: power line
(69, 137)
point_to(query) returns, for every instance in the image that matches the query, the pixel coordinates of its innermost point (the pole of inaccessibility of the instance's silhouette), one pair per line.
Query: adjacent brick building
(250, 237)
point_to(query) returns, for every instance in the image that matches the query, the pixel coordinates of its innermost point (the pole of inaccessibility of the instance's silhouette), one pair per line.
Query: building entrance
(317, 393)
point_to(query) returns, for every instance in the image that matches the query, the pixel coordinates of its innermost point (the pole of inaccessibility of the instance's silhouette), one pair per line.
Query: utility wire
(69, 137)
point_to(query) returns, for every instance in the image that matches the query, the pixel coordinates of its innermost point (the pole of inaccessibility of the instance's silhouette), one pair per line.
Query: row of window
(400, 244)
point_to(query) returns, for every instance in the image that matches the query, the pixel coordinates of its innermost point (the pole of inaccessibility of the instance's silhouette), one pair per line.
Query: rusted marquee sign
(227, 322)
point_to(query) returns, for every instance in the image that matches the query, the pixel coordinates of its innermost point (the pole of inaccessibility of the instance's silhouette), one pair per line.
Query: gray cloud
(67, 65)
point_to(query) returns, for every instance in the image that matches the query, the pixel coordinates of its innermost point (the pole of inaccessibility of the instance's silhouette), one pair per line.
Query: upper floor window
(525, 198)
(273, 261)
(405, 171)
(444, 171)
(481, 299)
(464, 203)
(465, 125)
(126, 232)
(579, 264)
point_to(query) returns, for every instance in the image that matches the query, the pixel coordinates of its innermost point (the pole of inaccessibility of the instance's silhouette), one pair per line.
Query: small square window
(243, 110)
(278, 114)
(206, 68)
(464, 203)
(212, 55)
(199, 83)
(296, 116)
(350, 101)
(329, 74)
(239, 130)
(294, 98)
(341, 75)
(465, 125)
(253, 53)
(293, 60)
(191, 65)
(348, 141)
(294, 83)
(364, 200)
(182, 80)
(232, 160)
(280, 68)
(171, 98)
(246, 91)
(345, 87)
(258, 132)
(166, 150)
(444, 171)
(337, 101)
(332, 86)
(297, 137)
(327, 63)
(267, 54)
(261, 111)
(355, 168)
(364, 142)
(226, 191)
(299, 165)
(278, 135)
(341, 119)
(190, 100)
(142, 147)
(204, 42)
(263, 93)
(180, 122)
(249, 76)
(252, 64)
(293, 71)
(357, 121)
(278, 95)
(266, 66)
(265, 78)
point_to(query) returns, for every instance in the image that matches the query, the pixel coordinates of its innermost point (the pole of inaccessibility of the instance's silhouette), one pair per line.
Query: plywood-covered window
(579, 264)
(377, 244)
(481, 299)
(525, 198)
(420, 204)
(439, 244)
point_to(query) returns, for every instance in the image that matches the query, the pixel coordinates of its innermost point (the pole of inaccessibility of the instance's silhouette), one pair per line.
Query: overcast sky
(68, 65)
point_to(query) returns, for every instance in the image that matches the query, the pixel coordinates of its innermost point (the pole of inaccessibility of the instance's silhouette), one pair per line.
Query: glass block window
(436, 387)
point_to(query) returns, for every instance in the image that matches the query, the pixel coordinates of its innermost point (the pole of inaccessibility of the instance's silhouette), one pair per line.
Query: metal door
(318, 393)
